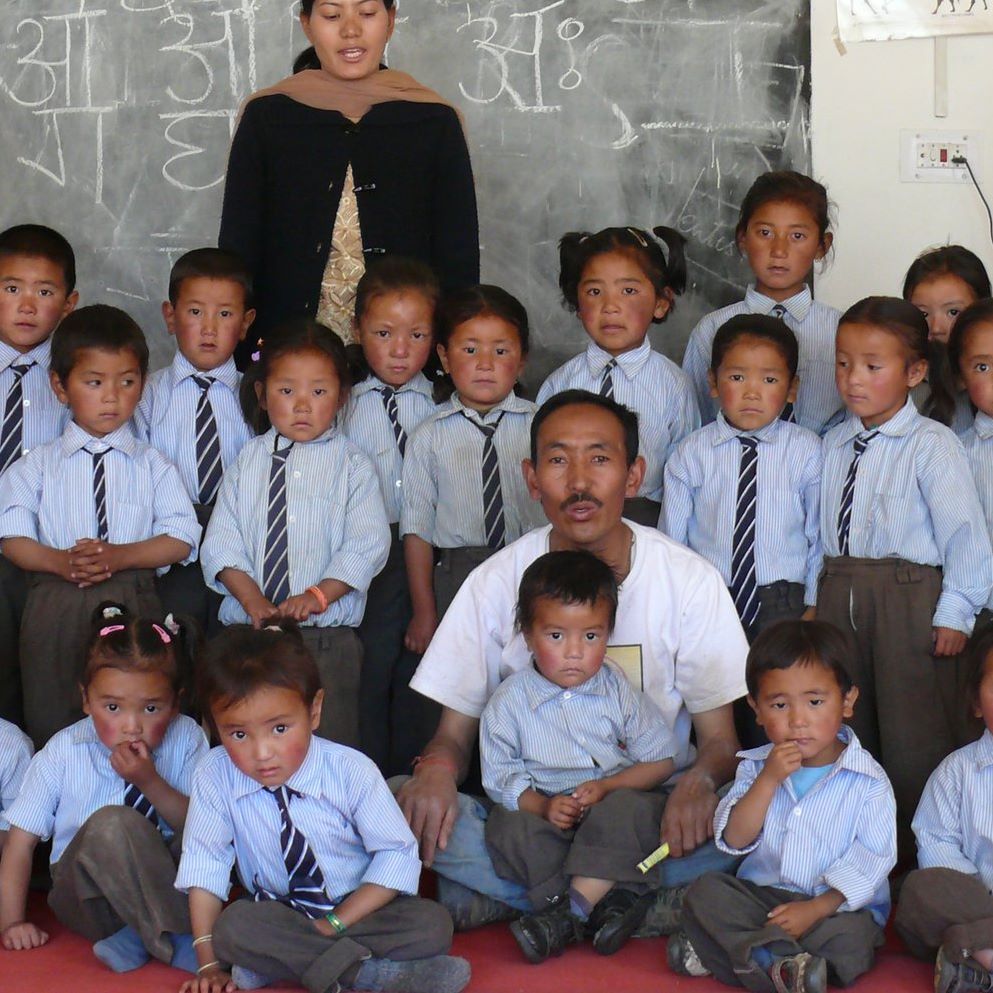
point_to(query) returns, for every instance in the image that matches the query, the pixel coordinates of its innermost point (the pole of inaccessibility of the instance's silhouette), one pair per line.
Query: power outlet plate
(926, 156)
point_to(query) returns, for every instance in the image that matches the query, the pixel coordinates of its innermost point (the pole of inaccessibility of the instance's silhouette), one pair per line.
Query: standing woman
(343, 162)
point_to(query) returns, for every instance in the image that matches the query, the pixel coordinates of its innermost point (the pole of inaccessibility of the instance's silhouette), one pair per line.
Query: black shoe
(548, 932)
(665, 914)
(470, 909)
(801, 973)
(959, 977)
(616, 917)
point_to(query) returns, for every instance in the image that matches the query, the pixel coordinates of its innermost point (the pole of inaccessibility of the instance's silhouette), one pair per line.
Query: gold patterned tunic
(345, 265)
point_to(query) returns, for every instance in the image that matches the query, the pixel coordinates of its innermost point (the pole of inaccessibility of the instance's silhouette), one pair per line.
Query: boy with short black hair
(815, 817)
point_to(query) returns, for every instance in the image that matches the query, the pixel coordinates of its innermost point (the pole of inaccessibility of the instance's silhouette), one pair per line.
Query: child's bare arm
(748, 815)
(303, 605)
(33, 556)
(15, 873)
(133, 762)
(797, 917)
(366, 900)
(418, 556)
(640, 776)
(205, 908)
(105, 559)
(246, 591)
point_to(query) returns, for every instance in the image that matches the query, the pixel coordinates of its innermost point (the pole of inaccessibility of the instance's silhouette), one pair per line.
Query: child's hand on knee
(22, 936)
(563, 812)
(590, 792)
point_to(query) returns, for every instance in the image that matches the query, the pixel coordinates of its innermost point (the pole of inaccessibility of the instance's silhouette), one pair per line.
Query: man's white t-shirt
(677, 635)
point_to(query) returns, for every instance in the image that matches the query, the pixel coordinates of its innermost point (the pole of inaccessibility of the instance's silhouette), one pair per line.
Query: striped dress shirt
(336, 525)
(366, 423)
(535, 735)
(345, 811)
(15, 754)
(700, 493)
(954, 820)
(914, 499)
(648, 383)
(44, 417)
(815, 326)
(48, 494)
(978, 444)
(840, 835)
(166, 416)
(442, 474)
(71, 778)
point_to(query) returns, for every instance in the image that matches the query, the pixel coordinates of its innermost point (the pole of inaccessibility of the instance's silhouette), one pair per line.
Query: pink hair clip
(110, 629)
(162, 633)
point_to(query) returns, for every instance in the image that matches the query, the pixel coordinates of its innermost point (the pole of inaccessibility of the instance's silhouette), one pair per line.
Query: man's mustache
(580, 498)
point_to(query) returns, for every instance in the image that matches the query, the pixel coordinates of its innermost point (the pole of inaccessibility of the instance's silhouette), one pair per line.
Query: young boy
(815, 817)
(91, 514)
(573, 756)
(15, 754)
(744, 490)
(37, 289)
(318, 840)
(190, 410)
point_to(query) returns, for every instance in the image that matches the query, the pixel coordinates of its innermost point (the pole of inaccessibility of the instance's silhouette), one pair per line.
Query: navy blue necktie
(744, 589)
(12, 431)
(607, 382)
(493, 519)
(100, 494)
(208, 444)
(848, 490)
(133, 797)
(393, 413)
(276, 557)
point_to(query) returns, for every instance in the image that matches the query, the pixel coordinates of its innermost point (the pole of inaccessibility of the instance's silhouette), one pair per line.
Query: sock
(246, 979)
(579, 905)
(763, 958)
(183, 955)
(438, 974)
(122, 951)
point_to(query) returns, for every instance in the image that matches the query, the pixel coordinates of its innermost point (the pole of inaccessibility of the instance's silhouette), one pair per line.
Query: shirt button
(293, 520)
(797, 812)
(296, 473)
(567, 695)
(399, 483)
(27, 403)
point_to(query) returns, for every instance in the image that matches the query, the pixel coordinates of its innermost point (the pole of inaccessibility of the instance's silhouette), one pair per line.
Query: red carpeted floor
(66, 965)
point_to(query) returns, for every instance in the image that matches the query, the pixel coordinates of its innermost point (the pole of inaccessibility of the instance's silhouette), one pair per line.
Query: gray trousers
(944, 908)
(616, 834)
(118, 870)
(13, 592)
(725, 919)
(451, 571)
(338, 654)
(278, 942)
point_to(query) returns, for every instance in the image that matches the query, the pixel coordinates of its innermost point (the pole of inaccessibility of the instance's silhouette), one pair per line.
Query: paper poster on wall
(888, 20)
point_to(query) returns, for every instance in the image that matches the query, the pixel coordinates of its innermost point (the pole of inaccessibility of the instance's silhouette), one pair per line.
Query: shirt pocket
(128, 522)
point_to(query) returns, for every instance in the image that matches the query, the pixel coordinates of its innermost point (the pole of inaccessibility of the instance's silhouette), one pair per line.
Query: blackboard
(117, 117)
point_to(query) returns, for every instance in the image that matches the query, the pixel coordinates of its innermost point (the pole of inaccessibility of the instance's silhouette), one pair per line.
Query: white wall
(861, 101)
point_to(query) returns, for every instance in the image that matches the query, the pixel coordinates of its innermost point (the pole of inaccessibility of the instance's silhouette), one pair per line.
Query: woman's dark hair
(463, 305)
(667, 275)
(627, 418)
(789, 643)
(789, 187)
(308, 59)
(242, 660)
(904, 321)
(568, 577)
(98, 326)
(977, 651)
(976, 314)
(761, 326)
(299, 335)
(949, 260)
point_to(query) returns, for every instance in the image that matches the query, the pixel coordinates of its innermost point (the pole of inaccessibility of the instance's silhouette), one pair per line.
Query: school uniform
(947, 902)
(355, 833)
(335, 528)
(651, 385)
(815, 326)
(918, 557)
(15, 754)
(51, 496)
(830, 828)
(167, 419)
(38, 418)
(539, 736)
(700, 509)
(394, 722)
(443, 487)
(978, 444)
(113, 861)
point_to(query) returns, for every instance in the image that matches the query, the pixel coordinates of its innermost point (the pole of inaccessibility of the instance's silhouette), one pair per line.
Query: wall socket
(927, 156)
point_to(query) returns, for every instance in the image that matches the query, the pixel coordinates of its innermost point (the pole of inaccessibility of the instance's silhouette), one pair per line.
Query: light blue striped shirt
(366, 422)
(166, 416)
(15, 754)
(701, 493)
(71, 778)
(442, 474)
(44, 417)
(978, 444)
(345, 811)
(954, 819)
(535, 735)
(914, 499)
(815, 326)
(336, 525)
(648, 383)
(48, 494)
(840, 835)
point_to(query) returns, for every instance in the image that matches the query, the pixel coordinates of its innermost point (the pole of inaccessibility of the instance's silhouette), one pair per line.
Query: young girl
(464, 493)
(342, 162)
(945, 907)
(782, 231)
(111, 791)
(620, 282)
(299, 528)
(394, 319)
(941, 283)
(907, 556)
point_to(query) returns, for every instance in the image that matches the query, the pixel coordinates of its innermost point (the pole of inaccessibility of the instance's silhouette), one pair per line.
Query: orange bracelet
(435, 760)
(318, 594)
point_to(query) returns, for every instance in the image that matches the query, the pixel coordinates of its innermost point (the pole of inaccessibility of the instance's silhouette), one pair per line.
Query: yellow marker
(662, 852)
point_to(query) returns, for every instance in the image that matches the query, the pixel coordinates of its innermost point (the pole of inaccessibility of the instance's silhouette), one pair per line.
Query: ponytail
(940, 402)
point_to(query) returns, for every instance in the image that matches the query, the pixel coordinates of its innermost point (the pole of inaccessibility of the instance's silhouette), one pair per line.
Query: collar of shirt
(511, 403)
(226, 374)
(983, 425)
(540, 690)
(74, 438)
(417, 384)
(984, 750)
(797, 306)
(284, 442)
(41, 353)
(854, 758)
(725, 432)
(307, 779)
(630, 363)
(897, 426)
